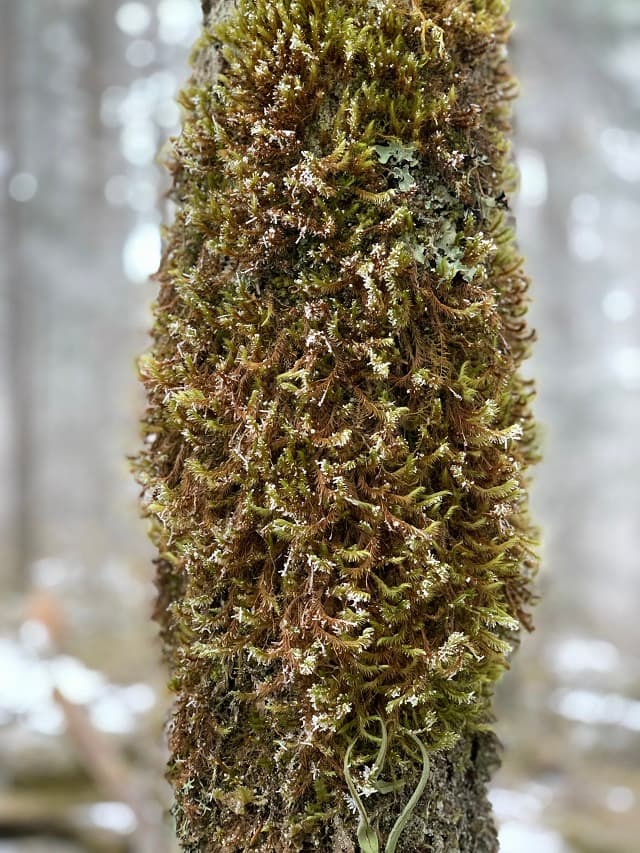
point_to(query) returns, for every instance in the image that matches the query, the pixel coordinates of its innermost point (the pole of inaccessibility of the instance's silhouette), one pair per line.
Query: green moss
(337, 438)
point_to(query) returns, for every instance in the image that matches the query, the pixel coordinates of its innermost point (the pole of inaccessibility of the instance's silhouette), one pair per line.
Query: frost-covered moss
(337, 438)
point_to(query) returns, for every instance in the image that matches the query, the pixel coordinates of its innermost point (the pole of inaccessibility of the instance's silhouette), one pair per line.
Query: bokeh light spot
(620, 799)
(116, 190)
(140, 53)
(138, 142)
(133, 18)
(178, 21)
(585, 208)
(622, 152)
(141, 252)
(23, 186)
(626, 367)
(618, 305)
(534, 181)
(521, 838)
(116, 817)
(586, 244)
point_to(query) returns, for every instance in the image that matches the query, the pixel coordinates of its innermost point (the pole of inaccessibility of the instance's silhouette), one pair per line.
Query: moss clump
(337, 436)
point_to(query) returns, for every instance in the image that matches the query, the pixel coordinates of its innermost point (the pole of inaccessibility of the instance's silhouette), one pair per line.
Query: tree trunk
(337, 435)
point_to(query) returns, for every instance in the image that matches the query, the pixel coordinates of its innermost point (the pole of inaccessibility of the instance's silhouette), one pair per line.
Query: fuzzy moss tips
(337, 437)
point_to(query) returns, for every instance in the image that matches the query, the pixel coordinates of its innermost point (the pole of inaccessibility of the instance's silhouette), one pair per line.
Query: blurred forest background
(86, 100)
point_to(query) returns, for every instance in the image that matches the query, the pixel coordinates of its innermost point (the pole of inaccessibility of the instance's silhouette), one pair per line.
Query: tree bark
(340, 161)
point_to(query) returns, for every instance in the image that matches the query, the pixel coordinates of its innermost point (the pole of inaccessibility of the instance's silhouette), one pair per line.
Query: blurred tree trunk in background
(18, 340)
(70, 319)
(54, 415)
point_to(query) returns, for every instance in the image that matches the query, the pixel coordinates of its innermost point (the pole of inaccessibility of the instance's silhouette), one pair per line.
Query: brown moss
(337, 434)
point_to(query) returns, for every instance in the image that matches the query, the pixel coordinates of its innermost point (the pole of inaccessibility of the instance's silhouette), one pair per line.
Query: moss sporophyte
(338, 438)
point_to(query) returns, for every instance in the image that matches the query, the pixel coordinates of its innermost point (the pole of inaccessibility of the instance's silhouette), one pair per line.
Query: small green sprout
(367, 835)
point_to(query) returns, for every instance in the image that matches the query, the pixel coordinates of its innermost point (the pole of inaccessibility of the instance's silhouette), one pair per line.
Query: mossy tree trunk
(337, 438)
